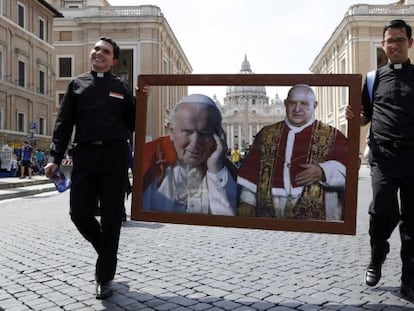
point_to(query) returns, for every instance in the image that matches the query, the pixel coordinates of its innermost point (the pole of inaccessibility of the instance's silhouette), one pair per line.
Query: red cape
(159, 154)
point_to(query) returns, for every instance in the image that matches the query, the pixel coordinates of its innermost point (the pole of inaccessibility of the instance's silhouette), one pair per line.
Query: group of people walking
(295, 168)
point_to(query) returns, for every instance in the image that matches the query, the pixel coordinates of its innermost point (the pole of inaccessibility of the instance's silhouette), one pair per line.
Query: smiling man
(187, 171)
(296, 168)
(101, 108)
(391, 144)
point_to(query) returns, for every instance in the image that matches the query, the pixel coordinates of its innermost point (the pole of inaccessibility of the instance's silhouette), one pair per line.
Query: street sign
(32, 127)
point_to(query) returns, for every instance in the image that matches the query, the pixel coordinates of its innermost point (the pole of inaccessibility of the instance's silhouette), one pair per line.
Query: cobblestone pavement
(46, 265)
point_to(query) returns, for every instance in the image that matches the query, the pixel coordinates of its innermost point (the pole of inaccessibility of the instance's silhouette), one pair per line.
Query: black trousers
(100, 171)
(392, 174)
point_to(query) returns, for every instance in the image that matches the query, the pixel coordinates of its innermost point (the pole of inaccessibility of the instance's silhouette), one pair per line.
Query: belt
(96, 142)
(100, 142)
(397, 143)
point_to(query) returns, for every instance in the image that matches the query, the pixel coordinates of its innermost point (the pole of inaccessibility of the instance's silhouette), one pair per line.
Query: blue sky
(277, 36)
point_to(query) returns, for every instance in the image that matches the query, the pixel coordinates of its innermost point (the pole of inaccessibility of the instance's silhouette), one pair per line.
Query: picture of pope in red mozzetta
(296, 168)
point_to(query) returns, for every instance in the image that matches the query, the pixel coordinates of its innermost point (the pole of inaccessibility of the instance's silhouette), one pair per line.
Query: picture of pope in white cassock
(187, 171)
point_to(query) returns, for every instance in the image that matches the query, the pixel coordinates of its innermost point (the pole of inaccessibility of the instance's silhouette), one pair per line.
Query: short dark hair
(398, 23)
(115, 46)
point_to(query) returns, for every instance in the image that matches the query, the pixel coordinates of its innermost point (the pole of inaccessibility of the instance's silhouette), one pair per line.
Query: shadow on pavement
(128, 299)
(135, 224)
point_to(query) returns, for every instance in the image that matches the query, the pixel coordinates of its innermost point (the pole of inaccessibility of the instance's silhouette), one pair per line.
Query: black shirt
(392, 111)
(101, 108)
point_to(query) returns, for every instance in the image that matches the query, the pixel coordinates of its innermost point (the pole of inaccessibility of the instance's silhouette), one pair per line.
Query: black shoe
(407, 292)
(373, 275)
(104, 290)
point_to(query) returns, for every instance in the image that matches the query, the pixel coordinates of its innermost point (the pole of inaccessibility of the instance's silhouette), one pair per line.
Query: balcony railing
(390, 9)
(113, 11)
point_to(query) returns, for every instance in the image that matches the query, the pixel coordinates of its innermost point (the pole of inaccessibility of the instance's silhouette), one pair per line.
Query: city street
(46, 265)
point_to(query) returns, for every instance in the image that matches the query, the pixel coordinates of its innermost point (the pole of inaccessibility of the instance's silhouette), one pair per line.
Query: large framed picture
(295, 173)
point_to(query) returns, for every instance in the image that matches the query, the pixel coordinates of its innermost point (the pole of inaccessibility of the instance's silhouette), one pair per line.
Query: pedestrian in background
(26, 164)
(236, 155)
(40, 161)
(101, 107)
(391, 143)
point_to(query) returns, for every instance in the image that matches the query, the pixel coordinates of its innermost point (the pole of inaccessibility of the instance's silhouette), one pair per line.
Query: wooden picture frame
(347, 226)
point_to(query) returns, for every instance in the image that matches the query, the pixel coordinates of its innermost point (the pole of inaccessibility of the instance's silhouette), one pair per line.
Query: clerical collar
(100, 74)
(398, 66)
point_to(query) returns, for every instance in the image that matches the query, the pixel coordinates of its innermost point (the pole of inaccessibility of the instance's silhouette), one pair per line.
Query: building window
(20, 15)
(65, 67)
(1, 114)
(1, 62)
(343, 66)
(74, 4)
(331, 101)
(59, 99)
(42, 82)
(42, 125)
(21, 75)
(65, 35)
(20, 122)
(42, 29)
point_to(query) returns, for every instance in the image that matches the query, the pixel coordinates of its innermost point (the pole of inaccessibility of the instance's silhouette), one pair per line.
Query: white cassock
(191, 191)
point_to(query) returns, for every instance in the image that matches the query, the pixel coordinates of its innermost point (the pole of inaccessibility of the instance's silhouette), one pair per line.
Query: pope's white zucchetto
(200, 99)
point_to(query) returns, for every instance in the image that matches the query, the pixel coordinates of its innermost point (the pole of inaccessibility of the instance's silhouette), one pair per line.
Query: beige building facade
(355, 47)
(148, 46)
(43, 44)
(26, 71)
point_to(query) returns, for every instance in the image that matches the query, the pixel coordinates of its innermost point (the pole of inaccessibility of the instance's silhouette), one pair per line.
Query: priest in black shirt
(391, 142)
(100, 107)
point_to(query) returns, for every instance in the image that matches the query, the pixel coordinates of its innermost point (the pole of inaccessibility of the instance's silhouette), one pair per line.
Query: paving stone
(46, 265)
